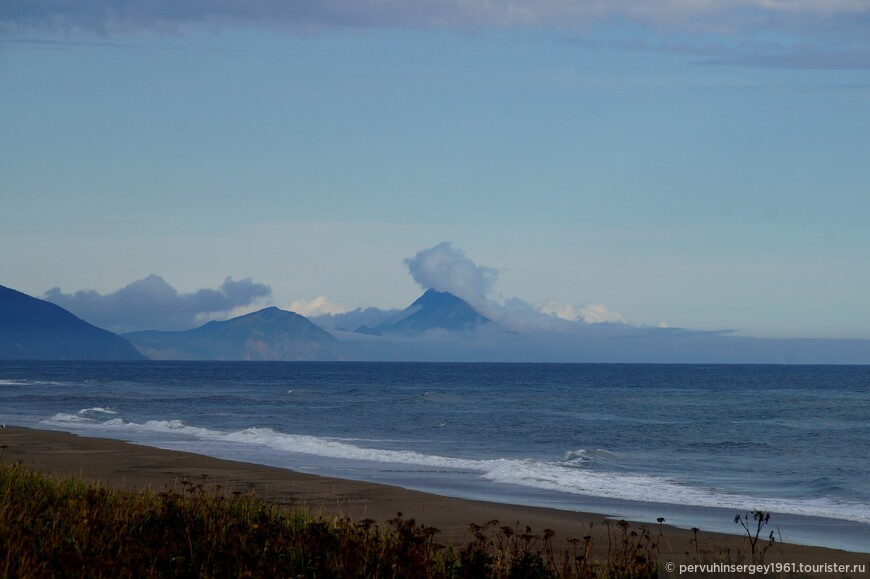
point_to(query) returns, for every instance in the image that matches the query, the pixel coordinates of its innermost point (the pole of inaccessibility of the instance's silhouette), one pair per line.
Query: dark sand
(125, 466)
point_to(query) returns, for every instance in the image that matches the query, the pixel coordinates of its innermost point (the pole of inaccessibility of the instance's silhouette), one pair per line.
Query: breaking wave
(572, 474)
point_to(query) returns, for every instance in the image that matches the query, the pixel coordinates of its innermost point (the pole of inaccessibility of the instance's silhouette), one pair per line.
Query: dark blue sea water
(695, 444)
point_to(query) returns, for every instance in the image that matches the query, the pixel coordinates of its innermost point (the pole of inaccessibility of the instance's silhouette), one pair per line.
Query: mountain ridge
(34, 329)
(267, 334)
(435, 310)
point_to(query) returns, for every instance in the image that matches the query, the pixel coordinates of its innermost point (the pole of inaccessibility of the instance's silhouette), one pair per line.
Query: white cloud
(152, 304)
(599, 314)
(447, 269)
(204, 318)
(559, 310)
(588, 313)
(316, 307)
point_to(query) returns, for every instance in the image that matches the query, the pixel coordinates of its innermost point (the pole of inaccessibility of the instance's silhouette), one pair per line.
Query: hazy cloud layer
(726, 16)
(152, 304)
(603, 343)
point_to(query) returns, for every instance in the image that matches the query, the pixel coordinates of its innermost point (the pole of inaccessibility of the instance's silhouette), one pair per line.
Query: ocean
(696, 444)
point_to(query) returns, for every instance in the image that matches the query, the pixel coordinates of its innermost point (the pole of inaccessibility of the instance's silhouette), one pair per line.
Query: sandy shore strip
(126, 466)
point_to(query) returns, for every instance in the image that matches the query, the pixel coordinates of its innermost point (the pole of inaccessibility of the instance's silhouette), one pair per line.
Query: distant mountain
(33, 329)
(269, 334)
(434, 310)
(370, 317)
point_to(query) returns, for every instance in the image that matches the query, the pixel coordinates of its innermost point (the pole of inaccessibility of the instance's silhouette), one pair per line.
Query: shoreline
(127, 466)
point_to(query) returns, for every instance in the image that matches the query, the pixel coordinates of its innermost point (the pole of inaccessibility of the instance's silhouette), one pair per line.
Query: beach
(123, 466)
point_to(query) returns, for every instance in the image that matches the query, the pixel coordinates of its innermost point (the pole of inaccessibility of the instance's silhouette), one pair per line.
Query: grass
(65, 527)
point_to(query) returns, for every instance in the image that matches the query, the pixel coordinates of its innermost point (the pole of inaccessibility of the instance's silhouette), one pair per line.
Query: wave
(15, 382)
(658, 489)
(6, 382)
(819, 486)
(583, 456)
(568, 475)
(85, 415)
(63, 418)
(97, 410)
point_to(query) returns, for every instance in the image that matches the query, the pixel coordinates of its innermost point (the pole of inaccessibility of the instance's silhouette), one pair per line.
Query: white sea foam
(582, 455)
(570, 475)
(62, 418)
(655, 489)
(97, 410)
(14, 382)
(20, 382)
(337, 449)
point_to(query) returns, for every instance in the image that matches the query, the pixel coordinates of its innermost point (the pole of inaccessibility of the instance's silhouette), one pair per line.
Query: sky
(700, 165)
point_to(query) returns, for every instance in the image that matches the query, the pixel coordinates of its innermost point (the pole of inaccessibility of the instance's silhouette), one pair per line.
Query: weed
(760, 519)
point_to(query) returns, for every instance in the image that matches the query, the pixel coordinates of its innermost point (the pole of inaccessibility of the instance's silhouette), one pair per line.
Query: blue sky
(705, 165)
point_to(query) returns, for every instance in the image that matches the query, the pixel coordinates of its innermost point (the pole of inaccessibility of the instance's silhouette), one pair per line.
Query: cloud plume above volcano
(447, 269)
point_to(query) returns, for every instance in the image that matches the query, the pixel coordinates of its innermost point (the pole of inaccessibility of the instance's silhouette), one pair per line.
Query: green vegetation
(65, 527)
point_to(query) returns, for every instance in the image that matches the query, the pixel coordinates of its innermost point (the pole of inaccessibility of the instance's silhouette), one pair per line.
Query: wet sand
(125, 466)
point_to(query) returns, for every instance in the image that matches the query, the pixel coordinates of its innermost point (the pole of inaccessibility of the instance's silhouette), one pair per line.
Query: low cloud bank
(152, 304)
(602, 344)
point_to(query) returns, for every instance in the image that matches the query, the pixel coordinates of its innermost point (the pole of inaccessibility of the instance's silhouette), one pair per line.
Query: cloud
(552, 316)
(152, 304)
(447, 269)
(829, 34)
(317, 307)
(818, 44)
(587, 313)
(105, 16)
(796, 58)
(371, 317)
